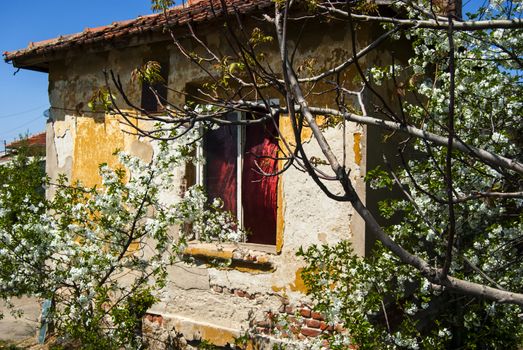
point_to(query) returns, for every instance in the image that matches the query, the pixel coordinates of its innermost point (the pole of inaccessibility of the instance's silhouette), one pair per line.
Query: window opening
(149, 100)
(221, 163)
(236, 159)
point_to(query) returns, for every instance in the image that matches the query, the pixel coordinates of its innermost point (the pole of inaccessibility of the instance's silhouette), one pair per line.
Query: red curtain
(220, 168)
(259, 192)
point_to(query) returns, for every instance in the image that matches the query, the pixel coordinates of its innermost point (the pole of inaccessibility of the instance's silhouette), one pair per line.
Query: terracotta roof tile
(177, 16)
(37, 140)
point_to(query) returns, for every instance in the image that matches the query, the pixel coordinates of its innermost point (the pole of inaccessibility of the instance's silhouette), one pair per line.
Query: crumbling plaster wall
(78, 139)
(211, 302)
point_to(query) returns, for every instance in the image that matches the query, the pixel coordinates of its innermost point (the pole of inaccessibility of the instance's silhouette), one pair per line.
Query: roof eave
(34, 65)
(38, 55)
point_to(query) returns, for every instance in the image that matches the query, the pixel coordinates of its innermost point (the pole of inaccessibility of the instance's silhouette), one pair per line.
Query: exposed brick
(284, 334)
(325, 326)
(264, 323)
(293, 319)
(281, 310)
(158, 319)
(217, 289)
(305, 312)
(339, 328)
(317, 316)
(263, 330)
(312, 323)
(239, 293)
(310, 332)
(294, 329)
(289, 309)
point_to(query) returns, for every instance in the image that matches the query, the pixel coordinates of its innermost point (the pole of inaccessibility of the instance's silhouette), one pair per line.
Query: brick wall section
(237, 292)
(153, 318)
(301, 322)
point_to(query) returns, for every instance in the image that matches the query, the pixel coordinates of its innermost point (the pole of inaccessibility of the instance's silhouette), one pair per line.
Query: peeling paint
(299, 284)
(64, 145)
(287, 132)
(95, 143)
(142, 150)
(357, 148)
(277, 289)
(214, 334)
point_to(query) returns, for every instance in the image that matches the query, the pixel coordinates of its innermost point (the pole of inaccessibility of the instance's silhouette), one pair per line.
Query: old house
(204, 301)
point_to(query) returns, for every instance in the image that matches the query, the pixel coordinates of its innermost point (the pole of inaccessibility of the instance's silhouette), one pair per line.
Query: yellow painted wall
(95, 143)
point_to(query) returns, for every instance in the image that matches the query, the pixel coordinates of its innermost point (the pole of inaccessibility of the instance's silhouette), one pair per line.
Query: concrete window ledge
(241, 256)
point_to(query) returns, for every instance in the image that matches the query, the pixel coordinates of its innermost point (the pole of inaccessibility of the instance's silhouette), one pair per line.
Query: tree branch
(430, 23)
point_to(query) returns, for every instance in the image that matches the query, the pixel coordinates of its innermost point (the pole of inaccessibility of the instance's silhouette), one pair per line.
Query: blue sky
(23, 97)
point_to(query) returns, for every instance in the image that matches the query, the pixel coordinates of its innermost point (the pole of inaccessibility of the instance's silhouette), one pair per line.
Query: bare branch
(448, 158)
(484, 155)
(430, 23)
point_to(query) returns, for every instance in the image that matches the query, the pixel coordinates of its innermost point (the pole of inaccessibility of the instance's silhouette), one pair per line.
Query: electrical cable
(20, 126)
(20, 113)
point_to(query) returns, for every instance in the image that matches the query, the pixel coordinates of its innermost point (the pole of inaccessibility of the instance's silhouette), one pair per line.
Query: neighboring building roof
(197, 11)
(37, 140)
(35, 147)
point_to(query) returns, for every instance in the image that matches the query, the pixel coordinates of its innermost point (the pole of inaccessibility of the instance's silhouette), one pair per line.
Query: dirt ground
(20, 330)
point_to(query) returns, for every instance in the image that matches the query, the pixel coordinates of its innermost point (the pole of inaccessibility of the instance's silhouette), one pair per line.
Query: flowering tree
(455, 256)
(100, 253)
(456, 252)
(22, 201)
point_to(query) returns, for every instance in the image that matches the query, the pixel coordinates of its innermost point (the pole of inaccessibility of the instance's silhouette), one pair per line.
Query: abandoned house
(205, 301)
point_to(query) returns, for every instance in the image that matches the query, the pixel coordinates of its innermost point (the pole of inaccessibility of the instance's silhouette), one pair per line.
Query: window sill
(242, 256)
